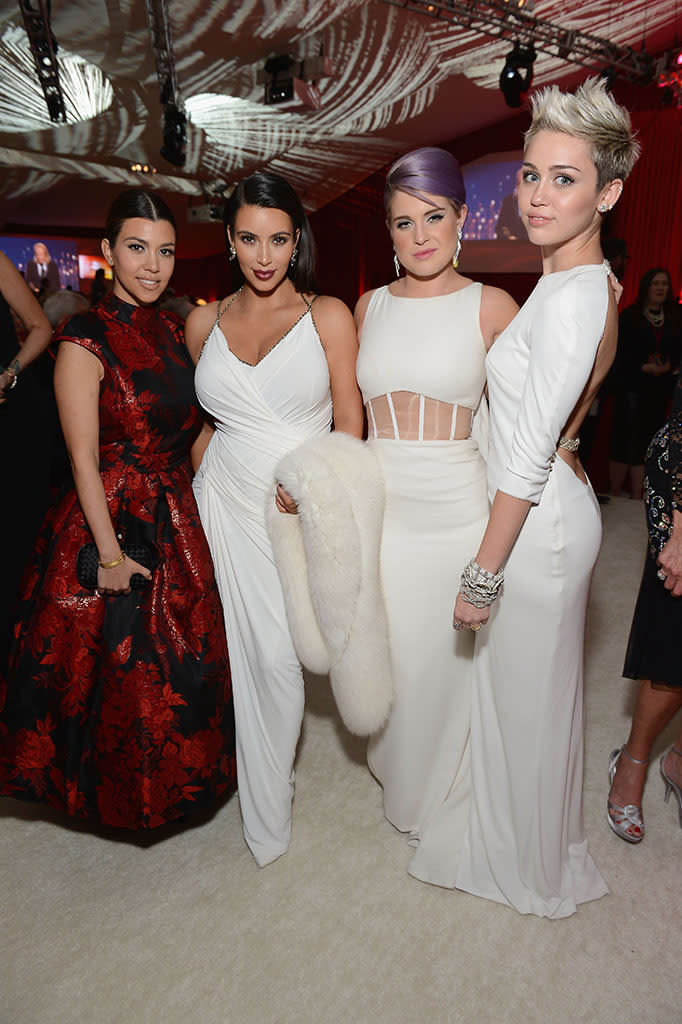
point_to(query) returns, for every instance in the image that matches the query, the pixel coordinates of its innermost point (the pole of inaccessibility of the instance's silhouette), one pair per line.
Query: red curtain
(649, 213)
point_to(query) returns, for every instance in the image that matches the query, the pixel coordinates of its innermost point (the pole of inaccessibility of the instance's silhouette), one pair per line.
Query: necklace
(655, 317)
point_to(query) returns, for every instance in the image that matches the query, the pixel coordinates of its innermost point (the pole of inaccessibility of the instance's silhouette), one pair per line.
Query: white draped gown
(522, 842)
(261, 413)
(436, 510)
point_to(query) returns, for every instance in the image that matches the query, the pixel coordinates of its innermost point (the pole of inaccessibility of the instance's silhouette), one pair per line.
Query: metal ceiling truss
(506, 20)
(162, 45)
(36, 15)
(174, 119)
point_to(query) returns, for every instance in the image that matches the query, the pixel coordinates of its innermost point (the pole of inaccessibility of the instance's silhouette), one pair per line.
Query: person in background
(24, 431)
(117, 706)
(275, 364)
(649, 343)
(523, 841)
(615, 252)
(653, 652)
(42, 273)
(99, 286)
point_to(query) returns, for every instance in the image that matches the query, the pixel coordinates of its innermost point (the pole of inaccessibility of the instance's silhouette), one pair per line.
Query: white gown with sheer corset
(261, 413)
(421, 373)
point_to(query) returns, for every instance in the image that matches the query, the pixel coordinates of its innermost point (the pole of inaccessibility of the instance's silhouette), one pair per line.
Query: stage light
(291, 84)
(174, 135)
(517, 74)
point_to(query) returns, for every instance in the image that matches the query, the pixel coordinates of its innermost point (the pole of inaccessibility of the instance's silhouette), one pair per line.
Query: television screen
(494, 239)
(52, 260)
(88, 265)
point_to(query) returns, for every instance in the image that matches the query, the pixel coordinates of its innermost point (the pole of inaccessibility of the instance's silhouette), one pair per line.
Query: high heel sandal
(669, 784)
(630, 816)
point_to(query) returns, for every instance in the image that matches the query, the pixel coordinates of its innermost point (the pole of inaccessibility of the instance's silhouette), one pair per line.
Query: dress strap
(219, 313)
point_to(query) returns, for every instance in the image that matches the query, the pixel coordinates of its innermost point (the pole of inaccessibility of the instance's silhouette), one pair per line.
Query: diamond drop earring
(396, 263)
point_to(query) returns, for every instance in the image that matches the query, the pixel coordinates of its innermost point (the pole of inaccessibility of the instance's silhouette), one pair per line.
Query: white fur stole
(328, 561)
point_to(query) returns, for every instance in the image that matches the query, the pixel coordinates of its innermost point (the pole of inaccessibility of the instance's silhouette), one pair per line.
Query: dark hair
(135, 202)
(645, 284)
(273, 192)
(428, 169)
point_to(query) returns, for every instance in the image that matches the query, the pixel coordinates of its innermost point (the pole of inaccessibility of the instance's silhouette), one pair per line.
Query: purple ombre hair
(428, 170)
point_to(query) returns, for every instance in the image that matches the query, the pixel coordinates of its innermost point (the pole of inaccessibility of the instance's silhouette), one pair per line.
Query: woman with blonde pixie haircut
(521, 841)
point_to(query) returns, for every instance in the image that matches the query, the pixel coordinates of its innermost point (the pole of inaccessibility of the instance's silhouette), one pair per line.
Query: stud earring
(396, 263)
(294, 257)
(233, 253)
(602, 207)
(455, 258)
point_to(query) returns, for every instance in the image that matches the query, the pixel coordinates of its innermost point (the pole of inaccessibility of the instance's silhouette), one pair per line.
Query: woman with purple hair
(421, 369)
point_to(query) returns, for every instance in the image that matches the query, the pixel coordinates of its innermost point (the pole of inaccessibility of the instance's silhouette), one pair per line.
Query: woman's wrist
(111, 563)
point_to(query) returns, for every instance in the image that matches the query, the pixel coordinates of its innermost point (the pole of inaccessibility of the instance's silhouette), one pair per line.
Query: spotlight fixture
(137, 168)
(517, 74)
(174, 135)
(292, 84)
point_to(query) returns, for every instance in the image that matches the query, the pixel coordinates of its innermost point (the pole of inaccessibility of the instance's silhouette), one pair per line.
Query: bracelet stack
(12, 370)
(480, 587)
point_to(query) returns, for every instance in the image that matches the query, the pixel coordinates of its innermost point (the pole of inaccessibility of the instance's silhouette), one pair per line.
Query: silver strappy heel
(671, 786)
(621, 819)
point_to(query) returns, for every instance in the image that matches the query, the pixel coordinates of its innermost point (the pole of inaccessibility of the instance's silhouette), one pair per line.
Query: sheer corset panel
(406, 416)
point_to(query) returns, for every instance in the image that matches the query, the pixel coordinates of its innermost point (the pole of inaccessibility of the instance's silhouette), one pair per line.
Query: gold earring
(455, 258)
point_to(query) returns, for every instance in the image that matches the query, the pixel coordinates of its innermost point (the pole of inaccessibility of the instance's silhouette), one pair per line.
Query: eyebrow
(143, 241)
(432, 209)
(554, 167)
(275, 234)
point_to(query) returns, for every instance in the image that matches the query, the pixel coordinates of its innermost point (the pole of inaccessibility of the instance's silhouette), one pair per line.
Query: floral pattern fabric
(120, 709)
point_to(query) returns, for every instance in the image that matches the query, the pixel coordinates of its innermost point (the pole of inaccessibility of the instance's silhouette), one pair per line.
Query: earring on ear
(455, 258)
(232, 253)
(396, 263)
(602, 207)
(294, 257)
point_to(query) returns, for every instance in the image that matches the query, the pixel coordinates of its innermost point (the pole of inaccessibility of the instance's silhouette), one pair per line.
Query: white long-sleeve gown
(523, 841)
(261, 413)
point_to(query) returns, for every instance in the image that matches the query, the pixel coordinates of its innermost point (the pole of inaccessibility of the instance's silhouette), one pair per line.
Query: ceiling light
(174, 135)
(517, 74)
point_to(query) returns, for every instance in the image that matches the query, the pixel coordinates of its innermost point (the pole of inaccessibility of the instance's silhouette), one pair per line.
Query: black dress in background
(641, 399)
(655, 648)
(29, 431)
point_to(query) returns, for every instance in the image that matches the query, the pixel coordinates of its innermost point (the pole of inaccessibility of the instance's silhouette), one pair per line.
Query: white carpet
(98, 931)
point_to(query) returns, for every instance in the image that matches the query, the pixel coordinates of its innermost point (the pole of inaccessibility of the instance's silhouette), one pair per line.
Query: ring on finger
(456, 625)
(475, 626)
(661, 575)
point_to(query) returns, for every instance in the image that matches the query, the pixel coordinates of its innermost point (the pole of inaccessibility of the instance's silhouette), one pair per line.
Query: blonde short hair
(590, 113)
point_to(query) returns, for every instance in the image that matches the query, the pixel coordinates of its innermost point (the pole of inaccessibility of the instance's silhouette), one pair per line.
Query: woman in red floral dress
(118, 702)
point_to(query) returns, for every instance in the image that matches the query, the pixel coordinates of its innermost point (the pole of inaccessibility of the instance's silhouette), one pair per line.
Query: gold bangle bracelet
(110, 565)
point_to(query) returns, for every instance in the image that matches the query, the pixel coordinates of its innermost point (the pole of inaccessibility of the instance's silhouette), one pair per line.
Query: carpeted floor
(188, 930)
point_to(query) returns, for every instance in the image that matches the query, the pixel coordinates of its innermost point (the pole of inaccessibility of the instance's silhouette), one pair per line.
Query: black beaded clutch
(87, 564)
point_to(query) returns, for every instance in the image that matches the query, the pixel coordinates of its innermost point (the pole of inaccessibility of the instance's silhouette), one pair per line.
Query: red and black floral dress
(119, 709)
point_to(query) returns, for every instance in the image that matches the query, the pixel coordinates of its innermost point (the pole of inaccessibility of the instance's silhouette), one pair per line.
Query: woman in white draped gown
(523, 842)
(275, 365)
(421, 369)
